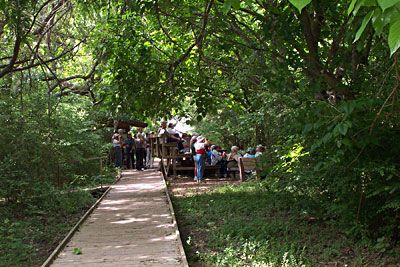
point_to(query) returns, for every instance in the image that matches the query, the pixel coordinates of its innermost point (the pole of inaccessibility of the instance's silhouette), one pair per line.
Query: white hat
(200, 139)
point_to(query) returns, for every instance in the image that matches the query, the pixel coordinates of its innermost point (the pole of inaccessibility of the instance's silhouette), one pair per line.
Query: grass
(29, 235)
(246, 225)
(30, 231)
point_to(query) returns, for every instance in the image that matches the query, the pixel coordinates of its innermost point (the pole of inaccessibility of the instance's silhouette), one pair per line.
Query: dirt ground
(182, 186)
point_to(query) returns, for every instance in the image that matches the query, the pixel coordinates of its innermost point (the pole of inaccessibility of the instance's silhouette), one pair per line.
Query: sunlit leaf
(351, 6)
(384, 4)
(394, 37)
(364, 24)
(300, 4)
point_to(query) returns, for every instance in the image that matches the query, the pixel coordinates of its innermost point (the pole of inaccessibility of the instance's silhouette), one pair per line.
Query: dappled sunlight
(166, 225)
(162, 215)
(141, 204)
(132, 225)
(136, 187)
(114, 202)
(131, 220)
(185, 186)
(170, 237)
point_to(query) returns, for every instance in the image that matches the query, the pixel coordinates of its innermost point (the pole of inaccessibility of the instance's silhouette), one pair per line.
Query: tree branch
(198, 41)
(157, 7)
(17, 45)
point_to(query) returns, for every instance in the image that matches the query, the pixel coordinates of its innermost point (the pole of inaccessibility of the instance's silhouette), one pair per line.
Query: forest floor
(29, 234)
(227, 223)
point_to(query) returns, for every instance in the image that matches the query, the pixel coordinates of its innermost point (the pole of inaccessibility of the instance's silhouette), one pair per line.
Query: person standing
(140, 145)
(129, 148)
(149, 157)
(117, 149)
(193, 140)
(200, 157)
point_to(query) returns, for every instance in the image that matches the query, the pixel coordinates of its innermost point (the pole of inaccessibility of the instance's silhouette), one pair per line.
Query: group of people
(131, 151)
(204, 153)
(134, 150)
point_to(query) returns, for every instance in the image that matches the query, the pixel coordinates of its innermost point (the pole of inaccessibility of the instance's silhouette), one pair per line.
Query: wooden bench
(248, 164)
(208, 169)
(231, 172)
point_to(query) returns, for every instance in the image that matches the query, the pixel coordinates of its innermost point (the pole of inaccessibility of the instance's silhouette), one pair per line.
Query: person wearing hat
(200, 157)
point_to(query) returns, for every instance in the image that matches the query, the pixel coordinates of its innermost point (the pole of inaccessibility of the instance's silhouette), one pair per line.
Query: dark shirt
(193, 150)
(129, 143)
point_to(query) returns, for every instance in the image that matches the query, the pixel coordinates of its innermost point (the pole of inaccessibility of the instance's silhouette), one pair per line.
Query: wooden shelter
(121, 124)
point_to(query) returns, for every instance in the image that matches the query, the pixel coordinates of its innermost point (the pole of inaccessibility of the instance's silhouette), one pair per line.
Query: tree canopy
(315, 81)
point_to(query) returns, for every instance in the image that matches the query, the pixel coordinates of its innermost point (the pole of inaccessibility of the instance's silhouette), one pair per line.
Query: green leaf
(346, 142)
(363, 3)
(347, 107)
(364, 23)
(342, 128)
(394, 37)
(351, 6)
(384, 4)
(235, 3)
(339, 143)
(226, 7)
(300, 4)
(378, 21)
(327, 137)
(369, 2)
(308, 127)
(76, 251)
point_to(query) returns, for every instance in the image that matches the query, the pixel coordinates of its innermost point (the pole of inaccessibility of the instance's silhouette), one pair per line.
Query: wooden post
(173, 154)
(241, 170)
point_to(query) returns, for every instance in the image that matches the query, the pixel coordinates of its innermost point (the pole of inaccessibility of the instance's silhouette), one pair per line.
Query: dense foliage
(46, 138)
(317, 84)
(247, 225)
(315, 81)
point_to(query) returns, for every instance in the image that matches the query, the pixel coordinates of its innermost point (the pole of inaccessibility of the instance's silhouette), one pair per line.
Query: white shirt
(199, 146)
(116, 143)
(172, 131)
(215, 157)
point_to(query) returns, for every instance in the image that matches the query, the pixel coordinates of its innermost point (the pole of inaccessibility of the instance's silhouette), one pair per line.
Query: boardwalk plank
(132, 226)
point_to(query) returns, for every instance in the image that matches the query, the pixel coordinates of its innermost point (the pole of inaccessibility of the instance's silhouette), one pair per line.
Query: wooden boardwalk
(132, 226)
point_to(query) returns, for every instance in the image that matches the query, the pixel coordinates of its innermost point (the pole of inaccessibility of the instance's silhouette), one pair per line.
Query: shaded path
(132, 226)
